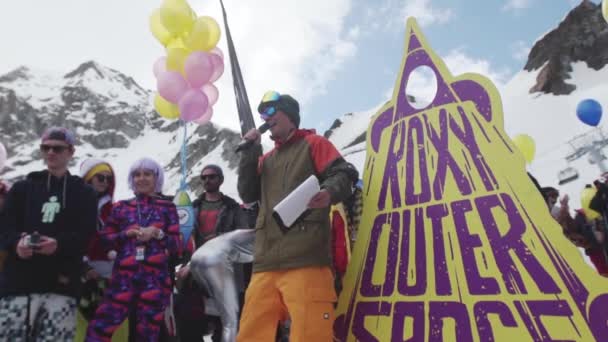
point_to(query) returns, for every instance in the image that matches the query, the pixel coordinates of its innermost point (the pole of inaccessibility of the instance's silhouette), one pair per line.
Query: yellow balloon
(157, 28)
(526, 146)
(165, 108)
(605, 9)
(176, 43)
(176, 16)
(586, 197)
(176, 58)
(204, 34)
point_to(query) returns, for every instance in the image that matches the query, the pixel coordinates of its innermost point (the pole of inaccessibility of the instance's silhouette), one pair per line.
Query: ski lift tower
(590, 144)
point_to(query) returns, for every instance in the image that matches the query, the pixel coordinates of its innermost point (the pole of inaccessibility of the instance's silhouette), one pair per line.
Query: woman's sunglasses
(268, 105)
(103, 178)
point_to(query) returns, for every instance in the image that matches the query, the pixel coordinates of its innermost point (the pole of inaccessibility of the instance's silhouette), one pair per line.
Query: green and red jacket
(270, 178)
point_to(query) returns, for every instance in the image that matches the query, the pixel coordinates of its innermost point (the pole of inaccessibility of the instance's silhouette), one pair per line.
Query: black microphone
(245, 144)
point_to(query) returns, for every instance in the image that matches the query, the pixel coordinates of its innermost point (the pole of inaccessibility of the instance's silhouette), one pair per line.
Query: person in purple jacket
(145, 232)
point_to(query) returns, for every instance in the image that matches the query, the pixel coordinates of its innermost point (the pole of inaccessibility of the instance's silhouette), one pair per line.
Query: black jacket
(72, 227)
(230, 217)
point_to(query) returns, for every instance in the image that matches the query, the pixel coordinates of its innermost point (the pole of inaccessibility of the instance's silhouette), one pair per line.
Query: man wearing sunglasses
(47, 222)
(292, 268)
(216, 214)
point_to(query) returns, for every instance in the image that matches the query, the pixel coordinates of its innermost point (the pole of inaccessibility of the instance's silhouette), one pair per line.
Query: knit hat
(95, 170)
(287, 105)
(217, 169)
(59, 133)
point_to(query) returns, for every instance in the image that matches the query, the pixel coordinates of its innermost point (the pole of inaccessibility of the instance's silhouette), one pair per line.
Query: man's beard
(212, 189)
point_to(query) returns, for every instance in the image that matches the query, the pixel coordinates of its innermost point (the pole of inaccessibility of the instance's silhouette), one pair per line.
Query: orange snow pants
(306, 295)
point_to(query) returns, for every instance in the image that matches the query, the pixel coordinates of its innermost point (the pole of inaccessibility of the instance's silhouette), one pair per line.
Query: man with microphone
(292, 268)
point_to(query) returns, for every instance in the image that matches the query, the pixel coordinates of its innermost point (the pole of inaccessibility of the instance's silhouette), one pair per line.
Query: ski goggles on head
(268, 105)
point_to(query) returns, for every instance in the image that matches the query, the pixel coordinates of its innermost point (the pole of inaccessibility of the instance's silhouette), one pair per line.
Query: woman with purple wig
(145, 232)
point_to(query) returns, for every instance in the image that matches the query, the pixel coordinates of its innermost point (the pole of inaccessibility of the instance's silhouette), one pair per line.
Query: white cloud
(520, 50)
(458, 62)
(287, 45)
(395, 12)
(514, 5)
(426, 13)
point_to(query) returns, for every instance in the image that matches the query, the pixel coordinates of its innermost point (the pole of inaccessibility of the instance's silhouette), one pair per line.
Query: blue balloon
(589, 111)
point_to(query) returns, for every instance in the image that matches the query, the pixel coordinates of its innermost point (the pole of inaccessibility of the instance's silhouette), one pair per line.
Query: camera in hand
(34, 239)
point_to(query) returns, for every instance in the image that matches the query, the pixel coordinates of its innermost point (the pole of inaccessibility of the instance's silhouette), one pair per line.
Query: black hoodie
(72, 227)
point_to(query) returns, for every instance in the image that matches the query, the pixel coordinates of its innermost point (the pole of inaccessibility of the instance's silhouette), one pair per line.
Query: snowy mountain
(113, 118)
(546, 113)
(540, 101)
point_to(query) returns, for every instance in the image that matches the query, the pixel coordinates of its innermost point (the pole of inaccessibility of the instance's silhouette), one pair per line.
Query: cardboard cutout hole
(421, 87)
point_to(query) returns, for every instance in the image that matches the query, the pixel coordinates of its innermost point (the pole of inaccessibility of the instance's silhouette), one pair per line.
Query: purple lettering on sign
(368, 289)
(415, 146)
(366, 309)
(382, 121)
(419, 286)
(391, 171)
(415, 310)
(478, 285)
(439, 311)
(467, 136)
(436, 213)
(532, 311)
(598, 317)
(512, 242)
(484, 327)
(445, 160)
(392, 254)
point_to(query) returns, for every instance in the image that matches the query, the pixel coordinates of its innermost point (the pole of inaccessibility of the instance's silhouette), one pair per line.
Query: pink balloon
(198, 68)
(160, 66)
(193, 105)
(217, 51)
(206, 117)
(212, 93)
(218, 67)
(171, 86)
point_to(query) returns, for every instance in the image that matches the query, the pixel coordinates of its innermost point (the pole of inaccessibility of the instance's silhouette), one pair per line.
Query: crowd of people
(66, 245)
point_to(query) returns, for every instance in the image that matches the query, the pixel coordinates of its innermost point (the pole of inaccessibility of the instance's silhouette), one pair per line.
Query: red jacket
(598, 258)
(340, 239)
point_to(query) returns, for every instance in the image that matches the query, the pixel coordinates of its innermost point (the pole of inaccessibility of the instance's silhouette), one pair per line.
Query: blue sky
(480, 30)
(335, 56)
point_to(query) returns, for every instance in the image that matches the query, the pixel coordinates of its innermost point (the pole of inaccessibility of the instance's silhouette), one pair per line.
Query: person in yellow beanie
(99, 258)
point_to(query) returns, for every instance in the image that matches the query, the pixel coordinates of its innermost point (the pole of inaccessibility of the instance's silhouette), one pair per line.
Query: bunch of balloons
(526, 146)
(186, 74)
(589, 111)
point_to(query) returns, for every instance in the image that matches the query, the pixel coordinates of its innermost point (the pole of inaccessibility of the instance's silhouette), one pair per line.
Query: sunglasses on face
(210, 177)
(268, 104)
(54, 148)
(103, 178)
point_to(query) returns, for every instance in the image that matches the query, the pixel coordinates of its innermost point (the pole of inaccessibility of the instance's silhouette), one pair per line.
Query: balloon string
(182, 185)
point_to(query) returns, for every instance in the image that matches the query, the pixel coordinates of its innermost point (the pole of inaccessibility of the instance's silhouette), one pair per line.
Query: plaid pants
(52, 318)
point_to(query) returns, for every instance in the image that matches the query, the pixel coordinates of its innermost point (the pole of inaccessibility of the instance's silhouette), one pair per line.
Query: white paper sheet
(296, 203)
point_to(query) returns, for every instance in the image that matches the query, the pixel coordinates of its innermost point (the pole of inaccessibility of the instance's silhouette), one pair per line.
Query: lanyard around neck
(139, 221)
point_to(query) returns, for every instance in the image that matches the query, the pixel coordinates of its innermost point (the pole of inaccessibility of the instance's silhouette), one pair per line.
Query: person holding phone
(45, 226)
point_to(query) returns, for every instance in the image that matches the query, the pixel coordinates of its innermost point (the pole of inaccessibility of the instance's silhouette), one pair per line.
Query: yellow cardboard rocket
(456, 243)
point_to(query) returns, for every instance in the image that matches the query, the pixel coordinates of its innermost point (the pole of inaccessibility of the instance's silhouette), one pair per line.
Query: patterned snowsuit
(144, 284)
